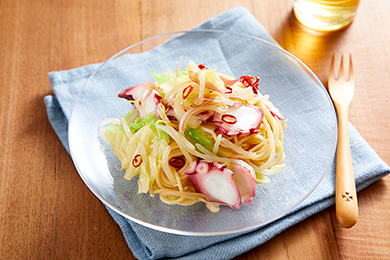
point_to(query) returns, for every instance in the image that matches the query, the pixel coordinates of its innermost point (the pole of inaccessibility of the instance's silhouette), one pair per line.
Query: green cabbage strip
(137, 125)
(119, 141)
(151, 121)
(261, 178)
(198, 136)
(165, 76)
(129, 117)
(161, 134)
(113, 128)
(145, 144)
(115, 135)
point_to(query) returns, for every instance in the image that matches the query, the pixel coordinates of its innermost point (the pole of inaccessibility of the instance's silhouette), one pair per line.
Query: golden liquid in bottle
(325, 15)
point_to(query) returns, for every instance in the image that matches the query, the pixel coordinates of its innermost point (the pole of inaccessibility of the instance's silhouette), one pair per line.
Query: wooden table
(47, 212)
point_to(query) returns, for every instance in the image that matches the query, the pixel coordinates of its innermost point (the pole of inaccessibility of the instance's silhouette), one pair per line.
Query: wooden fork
(342, 91)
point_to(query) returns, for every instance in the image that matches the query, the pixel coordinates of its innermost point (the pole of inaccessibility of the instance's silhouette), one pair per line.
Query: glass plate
(310, 137)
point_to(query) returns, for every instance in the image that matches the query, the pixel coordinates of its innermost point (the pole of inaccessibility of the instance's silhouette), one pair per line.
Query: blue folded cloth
(146, 243)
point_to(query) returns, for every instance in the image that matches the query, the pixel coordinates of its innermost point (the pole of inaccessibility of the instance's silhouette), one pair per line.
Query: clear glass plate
(310, 137)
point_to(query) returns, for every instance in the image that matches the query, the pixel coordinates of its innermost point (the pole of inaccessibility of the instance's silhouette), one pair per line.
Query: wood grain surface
(47, 212)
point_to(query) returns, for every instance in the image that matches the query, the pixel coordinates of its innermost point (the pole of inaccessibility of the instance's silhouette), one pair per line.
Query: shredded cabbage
(159, 146)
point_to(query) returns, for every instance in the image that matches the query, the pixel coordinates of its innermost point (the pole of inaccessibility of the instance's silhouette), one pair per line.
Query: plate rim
(200, 233)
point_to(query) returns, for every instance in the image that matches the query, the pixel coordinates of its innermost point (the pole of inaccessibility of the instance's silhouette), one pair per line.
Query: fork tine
(341, 72)
(351, 75)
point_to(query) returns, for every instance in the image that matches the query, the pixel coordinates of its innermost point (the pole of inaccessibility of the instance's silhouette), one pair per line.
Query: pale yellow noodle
(263, 150)
(186, 145)
(217, 142)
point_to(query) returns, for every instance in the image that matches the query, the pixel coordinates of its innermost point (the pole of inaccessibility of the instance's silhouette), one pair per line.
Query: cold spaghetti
(198, 135)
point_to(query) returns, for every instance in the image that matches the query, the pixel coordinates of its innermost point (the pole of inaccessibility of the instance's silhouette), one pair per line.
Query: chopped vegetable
(198, 135)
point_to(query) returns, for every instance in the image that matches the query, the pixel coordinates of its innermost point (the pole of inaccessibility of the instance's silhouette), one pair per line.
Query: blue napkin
(146, 243)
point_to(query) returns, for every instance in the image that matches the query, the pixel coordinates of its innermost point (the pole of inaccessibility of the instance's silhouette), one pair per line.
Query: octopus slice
(216, 182)
(239, 119)
(136, 92)
(245, 178)
(148, 96)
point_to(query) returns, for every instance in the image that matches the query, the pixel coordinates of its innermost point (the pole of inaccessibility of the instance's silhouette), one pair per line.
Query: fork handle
(346, 199)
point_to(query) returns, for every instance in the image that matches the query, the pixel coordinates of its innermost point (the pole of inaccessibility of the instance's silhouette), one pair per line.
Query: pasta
(194, 127)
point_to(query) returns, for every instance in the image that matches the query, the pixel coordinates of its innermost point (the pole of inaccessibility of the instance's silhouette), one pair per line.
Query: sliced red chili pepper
(202, 67)
(229, 119)
(187, 91)
(254, 89)
(249, 81)
(244, 81)
(137, 160)
(230, 90)
(177, 162)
